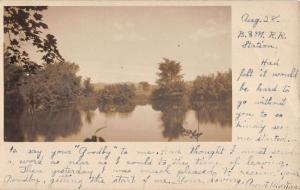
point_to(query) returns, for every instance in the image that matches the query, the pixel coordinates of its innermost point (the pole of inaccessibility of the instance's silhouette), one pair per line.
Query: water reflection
(173, 113)
(12, 129)
(89, 112)
(213, 112)
(166, 120)
(13, 108)
(112, 110)
(48, 125)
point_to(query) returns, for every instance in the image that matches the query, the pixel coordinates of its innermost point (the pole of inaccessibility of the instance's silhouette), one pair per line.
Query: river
(141, 123)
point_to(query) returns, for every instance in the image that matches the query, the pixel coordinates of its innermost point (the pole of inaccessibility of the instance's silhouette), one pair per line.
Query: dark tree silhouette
(169, 72)
(54, 87)
(88, 88)
(24, 25)
(170, 81)
(212, 88)
(116, 94)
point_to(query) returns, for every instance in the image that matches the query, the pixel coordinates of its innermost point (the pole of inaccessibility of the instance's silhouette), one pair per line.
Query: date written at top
(254, 21)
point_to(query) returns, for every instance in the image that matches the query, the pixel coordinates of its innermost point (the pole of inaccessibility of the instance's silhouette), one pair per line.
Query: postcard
(150, 95)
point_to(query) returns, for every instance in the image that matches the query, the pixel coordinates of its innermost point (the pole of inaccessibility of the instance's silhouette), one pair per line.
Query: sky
(125, 44)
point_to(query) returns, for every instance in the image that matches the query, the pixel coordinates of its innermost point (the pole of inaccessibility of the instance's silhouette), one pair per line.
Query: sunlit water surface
(142, 123)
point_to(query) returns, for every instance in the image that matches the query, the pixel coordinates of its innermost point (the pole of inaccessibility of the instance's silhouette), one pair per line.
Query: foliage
(116, 94)
(212, 87)
(88, 88)
(170, 82)
(24, 25)
(13, 101)
(24, 29)
(224, 85)
(144, 85)
(57, 85)
(169, 72)
(176, 90)
(12, 74)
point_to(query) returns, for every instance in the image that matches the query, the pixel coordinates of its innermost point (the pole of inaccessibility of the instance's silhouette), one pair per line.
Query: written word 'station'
(265, 110)
(266, 83)
(264, 153)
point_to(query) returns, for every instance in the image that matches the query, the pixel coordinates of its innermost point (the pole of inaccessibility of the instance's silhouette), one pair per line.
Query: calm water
(122, 123)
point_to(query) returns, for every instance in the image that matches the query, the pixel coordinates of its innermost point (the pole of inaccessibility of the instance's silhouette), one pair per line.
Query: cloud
(117, 26)
(206, 33)
(122, 36)
(209, 29)
(125, 31)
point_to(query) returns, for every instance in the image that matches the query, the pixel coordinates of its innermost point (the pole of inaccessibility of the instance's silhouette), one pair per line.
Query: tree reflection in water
(12, 131)
(89, 112)
(213, 112)
(173, 113)
(13, 108)
(111, 110)
(50, 125)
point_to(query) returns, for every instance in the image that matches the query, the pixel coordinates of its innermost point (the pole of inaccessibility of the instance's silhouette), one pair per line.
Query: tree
(204, 88)
(53, 87)
(88, 88)
(169, 72)
(13, 101)
(170, 81)
(224, 85)
(144, 85)
(212, 87)
(24, 25)
(116, 94)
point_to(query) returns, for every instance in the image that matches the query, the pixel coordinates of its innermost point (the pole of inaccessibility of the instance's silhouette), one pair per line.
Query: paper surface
(264, 149)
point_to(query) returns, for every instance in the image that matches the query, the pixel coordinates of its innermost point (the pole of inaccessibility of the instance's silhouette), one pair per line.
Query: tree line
(55, 83)
(51, 84)
(170, 85)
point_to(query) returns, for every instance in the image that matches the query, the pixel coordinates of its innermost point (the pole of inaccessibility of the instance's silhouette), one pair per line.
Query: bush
(55, 86)
(176, 90)
(212, 87)
(116, 94)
